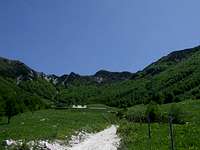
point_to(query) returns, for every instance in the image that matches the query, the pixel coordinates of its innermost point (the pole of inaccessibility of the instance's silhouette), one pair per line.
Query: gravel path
(104, 140)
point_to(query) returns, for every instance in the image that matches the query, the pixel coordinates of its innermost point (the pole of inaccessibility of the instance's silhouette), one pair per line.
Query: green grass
(61, 124)
(190, 108)
(53, 124)
(135, 135)
(102, 106)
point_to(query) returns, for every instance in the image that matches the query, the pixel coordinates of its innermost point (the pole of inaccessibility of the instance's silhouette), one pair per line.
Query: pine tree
(11, 107)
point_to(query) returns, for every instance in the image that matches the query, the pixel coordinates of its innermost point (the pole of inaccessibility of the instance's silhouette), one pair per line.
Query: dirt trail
(104, 140)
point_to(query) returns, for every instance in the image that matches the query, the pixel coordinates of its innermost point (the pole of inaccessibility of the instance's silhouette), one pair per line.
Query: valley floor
(57, 124)
(104, 140)
(48, 125)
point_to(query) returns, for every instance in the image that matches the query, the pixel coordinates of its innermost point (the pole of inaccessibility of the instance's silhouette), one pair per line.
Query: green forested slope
(179, 80)
(174, 77)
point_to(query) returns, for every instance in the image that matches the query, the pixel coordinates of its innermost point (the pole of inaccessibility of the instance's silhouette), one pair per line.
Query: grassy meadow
(61, 124)
(186, 136)
(53, 124)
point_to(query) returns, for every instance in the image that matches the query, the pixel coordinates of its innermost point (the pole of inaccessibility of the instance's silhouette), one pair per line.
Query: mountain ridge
(173, 77)
(174, 57)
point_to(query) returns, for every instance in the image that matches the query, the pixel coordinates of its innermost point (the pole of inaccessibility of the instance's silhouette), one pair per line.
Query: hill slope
(174, 77)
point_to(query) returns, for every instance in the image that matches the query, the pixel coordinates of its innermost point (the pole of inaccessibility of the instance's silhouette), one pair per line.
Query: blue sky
(84, 36)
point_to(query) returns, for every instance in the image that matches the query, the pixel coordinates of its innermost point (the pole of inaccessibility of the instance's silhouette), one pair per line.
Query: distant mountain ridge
(167, 61)
(18, 70)
(174, 77)
(14, 68)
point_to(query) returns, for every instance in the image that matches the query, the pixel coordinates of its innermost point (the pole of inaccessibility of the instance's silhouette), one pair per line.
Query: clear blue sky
(83, 36)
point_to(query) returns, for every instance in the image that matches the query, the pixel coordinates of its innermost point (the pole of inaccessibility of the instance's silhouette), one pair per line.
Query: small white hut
(79, 106)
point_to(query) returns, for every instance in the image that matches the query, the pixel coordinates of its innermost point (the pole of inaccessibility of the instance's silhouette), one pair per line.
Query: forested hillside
(172, 78)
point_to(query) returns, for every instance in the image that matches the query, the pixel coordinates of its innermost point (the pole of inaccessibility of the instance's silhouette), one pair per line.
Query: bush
(136, 116)
(121, 113)
(11, 107)
(176, 113)
(152, 112)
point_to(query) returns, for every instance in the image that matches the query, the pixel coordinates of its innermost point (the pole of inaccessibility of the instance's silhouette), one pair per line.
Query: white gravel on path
(104, 140)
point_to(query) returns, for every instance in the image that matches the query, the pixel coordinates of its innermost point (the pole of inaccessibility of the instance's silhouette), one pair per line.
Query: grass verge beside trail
(186, 136)
(135, 136)
(52, 124)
